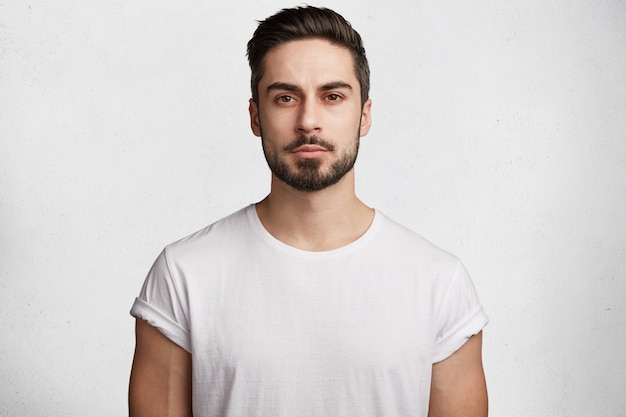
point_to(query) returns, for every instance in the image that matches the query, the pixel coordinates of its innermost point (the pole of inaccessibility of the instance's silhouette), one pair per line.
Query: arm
(160, 380)
(458, 384)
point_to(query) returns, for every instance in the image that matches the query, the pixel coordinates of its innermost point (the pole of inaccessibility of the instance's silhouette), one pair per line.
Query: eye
(333, 97)
(285, 99)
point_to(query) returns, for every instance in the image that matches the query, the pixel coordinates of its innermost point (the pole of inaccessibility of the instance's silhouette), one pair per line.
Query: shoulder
(219, 235)
(409, 244)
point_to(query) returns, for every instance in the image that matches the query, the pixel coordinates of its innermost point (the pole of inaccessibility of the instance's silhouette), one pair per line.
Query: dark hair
(305, 23)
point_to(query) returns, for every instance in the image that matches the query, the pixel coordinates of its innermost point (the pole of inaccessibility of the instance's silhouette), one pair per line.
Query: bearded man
(309, 302)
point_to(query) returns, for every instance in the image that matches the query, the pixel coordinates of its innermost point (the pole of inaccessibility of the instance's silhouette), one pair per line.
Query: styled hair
(306, 22)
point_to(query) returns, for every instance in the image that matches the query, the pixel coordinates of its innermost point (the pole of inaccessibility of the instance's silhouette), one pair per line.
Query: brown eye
(285, 99)
(333, 97)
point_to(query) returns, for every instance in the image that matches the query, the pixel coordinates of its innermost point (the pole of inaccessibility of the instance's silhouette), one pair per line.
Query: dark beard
(308, 177)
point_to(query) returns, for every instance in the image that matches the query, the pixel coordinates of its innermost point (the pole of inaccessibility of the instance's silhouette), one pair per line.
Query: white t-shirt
(275, 331)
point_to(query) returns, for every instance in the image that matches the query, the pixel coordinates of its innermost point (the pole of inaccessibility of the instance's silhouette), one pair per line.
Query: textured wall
(499, 134)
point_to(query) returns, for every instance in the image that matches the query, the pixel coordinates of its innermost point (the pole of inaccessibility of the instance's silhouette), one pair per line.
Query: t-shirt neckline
(277, 244)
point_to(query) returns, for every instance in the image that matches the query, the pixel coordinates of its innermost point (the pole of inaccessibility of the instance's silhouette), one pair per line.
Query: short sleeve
(162, 302)
(459, 315)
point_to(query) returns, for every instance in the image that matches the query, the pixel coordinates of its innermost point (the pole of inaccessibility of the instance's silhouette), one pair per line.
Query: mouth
(309, 148)
(309, 151)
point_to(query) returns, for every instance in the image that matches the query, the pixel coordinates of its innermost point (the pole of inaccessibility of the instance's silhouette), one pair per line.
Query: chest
(312, 317)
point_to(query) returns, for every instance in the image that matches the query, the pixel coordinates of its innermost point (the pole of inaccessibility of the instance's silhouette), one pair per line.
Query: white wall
(499, 134)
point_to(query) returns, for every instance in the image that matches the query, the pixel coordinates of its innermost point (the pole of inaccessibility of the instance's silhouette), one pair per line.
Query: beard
(309, 176)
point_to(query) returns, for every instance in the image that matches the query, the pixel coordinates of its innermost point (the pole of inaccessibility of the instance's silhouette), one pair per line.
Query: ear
(366, 117)
(255, 123)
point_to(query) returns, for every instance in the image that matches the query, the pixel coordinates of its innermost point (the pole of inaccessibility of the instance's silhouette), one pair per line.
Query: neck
(315, 221)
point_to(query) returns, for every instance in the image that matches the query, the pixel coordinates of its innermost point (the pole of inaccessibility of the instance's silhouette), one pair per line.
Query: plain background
(499, 134)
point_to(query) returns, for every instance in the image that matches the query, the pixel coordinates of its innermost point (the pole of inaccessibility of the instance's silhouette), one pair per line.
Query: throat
(315, 231)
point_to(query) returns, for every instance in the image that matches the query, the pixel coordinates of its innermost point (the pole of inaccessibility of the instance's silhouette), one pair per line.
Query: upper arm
(458, 383)
(160, 380)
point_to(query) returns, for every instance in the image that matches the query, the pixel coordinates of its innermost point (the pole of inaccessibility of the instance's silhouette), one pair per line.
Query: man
(308, 303)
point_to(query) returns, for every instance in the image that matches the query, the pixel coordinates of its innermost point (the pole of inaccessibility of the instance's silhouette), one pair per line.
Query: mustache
(311, 140)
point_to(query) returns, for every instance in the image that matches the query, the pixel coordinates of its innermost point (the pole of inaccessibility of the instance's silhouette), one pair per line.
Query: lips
(309, 151)
(310, 148)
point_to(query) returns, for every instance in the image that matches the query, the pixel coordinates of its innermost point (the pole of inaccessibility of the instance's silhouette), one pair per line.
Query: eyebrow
(333, 85)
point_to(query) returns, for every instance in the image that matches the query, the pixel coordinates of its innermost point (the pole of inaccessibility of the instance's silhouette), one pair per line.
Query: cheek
(345, 124)
(274, 121)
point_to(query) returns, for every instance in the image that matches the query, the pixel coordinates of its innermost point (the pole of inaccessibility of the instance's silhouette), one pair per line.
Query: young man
(308, 303)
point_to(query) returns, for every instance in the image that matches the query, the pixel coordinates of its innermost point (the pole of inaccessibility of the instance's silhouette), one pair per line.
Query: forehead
(308, 61)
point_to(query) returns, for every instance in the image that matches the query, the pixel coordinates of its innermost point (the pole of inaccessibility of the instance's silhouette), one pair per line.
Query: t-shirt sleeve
(459, 316)
(163, 303)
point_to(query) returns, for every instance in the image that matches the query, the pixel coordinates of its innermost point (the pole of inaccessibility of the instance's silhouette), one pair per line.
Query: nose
(309, 117)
